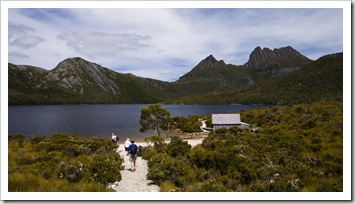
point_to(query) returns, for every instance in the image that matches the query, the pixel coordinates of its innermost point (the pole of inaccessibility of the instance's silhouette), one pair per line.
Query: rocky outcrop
(277, 58)
(26, 71)
(208, 63)
(74, 72)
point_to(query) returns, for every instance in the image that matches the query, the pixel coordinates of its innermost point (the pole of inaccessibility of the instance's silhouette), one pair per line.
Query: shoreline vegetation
(299, 148)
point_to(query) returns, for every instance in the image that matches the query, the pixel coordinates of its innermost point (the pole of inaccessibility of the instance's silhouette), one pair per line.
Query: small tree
(155, 139)
(154, 118)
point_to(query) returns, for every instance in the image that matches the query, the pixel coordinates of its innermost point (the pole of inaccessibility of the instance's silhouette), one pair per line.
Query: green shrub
(189, 124)
(280, 184)
(177, 147)
(73, 171)
(148, 153)
(167, 186)
(212, 186)
(31, 183)
(64, 163)
(17, 139)
(175, 170)
(105, 169)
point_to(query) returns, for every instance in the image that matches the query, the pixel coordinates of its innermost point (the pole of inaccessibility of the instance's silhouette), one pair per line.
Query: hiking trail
(134, 181)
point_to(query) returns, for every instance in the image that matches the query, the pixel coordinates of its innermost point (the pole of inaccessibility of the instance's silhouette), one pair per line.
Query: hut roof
(225, 119)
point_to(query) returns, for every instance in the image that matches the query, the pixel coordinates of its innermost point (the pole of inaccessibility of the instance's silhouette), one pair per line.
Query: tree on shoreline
(154, 118)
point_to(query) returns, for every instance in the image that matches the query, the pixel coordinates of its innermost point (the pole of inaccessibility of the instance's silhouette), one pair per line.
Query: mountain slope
(76, 80)
(318, 80)
(212, 75)
(203, 69)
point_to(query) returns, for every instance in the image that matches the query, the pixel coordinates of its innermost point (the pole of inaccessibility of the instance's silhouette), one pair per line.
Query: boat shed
(228, 121)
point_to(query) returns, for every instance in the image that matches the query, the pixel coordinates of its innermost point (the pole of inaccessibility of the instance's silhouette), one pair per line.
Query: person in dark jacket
(133, 153)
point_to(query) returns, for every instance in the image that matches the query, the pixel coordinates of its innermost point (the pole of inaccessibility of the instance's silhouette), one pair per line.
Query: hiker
(133, 152)
(114, 138)
(127, 143)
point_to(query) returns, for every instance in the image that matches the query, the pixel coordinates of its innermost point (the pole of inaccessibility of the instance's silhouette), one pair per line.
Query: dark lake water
(98, 120)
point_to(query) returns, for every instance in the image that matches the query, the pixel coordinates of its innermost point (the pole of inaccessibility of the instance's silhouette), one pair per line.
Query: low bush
(189, 124)
(62, 162)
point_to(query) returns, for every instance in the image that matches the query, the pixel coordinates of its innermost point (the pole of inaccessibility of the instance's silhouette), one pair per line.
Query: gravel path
(136, 181)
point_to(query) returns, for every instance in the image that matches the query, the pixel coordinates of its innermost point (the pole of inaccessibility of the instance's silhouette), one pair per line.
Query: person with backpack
(133, 153)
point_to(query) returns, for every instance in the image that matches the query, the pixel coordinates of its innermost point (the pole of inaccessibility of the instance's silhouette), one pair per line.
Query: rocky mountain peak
(276, 58)
(207, 64)
(73, 62)
(210, 59)
(76, 71)
(210, 62)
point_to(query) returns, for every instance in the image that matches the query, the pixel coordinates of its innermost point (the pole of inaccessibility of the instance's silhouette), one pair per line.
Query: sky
(166, 43)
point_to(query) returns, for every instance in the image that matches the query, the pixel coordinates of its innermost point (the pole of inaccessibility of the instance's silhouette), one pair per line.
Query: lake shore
(140, 141)
(191, 138)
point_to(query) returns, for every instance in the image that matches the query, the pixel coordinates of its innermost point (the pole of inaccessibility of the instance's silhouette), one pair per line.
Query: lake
(98, 120)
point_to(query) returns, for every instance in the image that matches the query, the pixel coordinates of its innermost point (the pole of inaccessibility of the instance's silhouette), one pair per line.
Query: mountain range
(269, 76)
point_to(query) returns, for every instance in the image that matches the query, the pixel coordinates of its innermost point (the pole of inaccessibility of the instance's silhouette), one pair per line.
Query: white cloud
(96, 44)
(26, 42)
(18, 30)
(17, 54)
